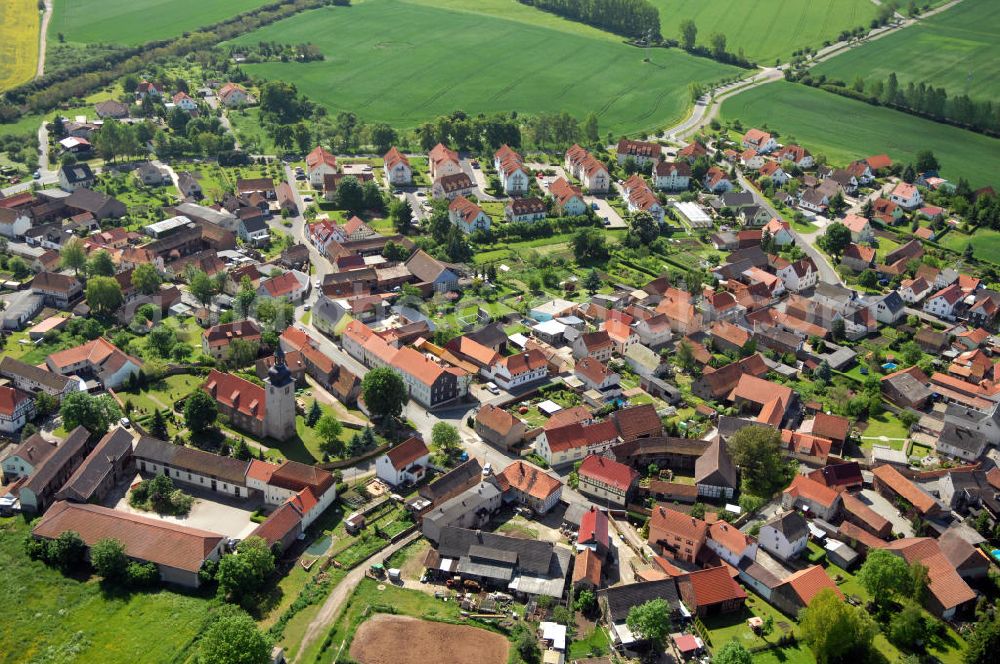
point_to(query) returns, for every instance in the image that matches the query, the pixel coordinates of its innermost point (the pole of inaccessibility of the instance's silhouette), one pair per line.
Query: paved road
(707, 107)
(330, 610)
(807, 242)
(43, 40)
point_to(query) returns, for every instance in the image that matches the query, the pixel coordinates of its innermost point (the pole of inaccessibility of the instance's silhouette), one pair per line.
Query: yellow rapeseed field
(19, 21)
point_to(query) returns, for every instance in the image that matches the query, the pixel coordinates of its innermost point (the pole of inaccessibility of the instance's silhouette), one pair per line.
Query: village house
(796, 154)
(607, 481)
(598, 377)
(51, 472)
(761, 141)
(568, 198)
(676, 534)
(468, 216)
(906, 196)
(525, 210)
(98, 360)
(450, 186)
(640, 198)
(234, 95)
(671, 176)
(76, 176)
(573, 441)
(499, 427)
(397, 168)
(861, 229)
(515, 371)
(16, 408)
(406, 462)
(527, 484)
(641, 152)
(942, 303)
(730, 544)
(812, 497)
(510, 169)
(717, 181)
(442, 161)
(586, 168)
(215, 340)
(785, 535)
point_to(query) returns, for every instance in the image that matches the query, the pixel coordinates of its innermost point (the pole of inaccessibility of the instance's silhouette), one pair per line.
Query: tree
(643, 228)
(401, 213)
(349, 195)
(95, 414)
(241, 352)
(907, 628)
(101, 265)
(586, 601)
(757, 451)
(590, 128)
(650, 621)
(243, 573)
(158, 427)
(384, 393)
(67, 551)
(926, 161)
(45, 404)
(240, 450)
(689, 33)
(315, 412)
(685, 355)
(109, 559)
(329, 428)
(146, 279)
(983, 643)
(73, 256)
(200, 411)
(383, 136)
(718, 41)
(834, 630)
(18, 267)
(234, 639)
(868, 279)
(885, 575)
(836, 239)
(732, 653)
(161, 340)
(445, 438)
(592, 282)
(838, 329)
(589, 245)
(201, 286)
(104, 295)
(823, 372)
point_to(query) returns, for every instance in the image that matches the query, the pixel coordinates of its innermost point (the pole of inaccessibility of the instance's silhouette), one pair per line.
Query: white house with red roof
(640, 197)
(292, 285)
(184, 102)
(759, 140)
(406, 462)
(607, 481)
(799, 276)
(751, 159)
(234, 94)
(796, 154)
(731, 544)
(397, 168)
(588, 169)
(780, 231)
(641, 152)
(443, 161)
(671, 176)
(320, 163)
(861, 228)
(717, 181)
(773, 170)
(906, 196)
(16, 408)
(468, 216)
(98, 359)
(914, 290)
(812, 497)
(942, 303)
(568, 197)
(513, 371)
(510, 169)
(574, 441)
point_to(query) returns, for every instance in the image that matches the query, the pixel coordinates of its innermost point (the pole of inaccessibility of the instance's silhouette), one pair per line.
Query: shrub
(142, 575)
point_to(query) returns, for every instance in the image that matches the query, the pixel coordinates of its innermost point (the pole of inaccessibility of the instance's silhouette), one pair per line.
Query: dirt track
(389, 639)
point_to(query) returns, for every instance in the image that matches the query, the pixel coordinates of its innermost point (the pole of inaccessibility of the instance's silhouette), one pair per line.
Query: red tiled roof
(714, 586)
(608, 471)
(677, 523)
(852, 531)
(10, 399)
(282, 285)
(807, 583)
(729, 536)
(906, 489)
(236, 393)
(809, 489)
(947, 587)
(407, 452)
(593, 528)
(587, 567)
(320, 156)
(496, 419)
(529, 479)
(833, 427)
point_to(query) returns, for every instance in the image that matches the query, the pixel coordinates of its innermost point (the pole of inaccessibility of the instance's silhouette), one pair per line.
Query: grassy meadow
(844, 129)
(957, 49)
(405, 62)
(137, 21)
(19, 24)
(54, 618)
(765, 29)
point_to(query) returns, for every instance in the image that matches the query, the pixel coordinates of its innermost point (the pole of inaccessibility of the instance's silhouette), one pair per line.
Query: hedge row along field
(405, 62)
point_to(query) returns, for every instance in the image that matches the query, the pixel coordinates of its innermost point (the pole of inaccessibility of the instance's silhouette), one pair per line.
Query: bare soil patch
(390, 639)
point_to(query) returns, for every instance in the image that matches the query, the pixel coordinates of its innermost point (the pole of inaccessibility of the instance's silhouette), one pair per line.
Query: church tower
(279, 411)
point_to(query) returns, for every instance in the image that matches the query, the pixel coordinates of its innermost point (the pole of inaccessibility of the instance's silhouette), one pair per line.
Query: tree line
(918, 99)
(636, 19)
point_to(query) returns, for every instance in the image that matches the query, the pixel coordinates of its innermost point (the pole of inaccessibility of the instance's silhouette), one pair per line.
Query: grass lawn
(887, 425)
(306, 446)
(963, 40)
(19, 24)
(162, 394)
(766, 29)
(366, 44)
(844, 129)
(246, 124)
(985, 243)
(595, 642)
(733, 626)
(62, 619)
(138, 21)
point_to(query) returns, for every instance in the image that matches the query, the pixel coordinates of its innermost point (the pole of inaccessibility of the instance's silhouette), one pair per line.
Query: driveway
(479, 178)
(605, 211)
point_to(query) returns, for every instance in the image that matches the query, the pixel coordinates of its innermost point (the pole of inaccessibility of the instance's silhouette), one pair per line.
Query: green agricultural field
(62, 619)
(766, 29)
(138, 21)
(404, 62)
(844, 129)
(957, 49)
(985, 243)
